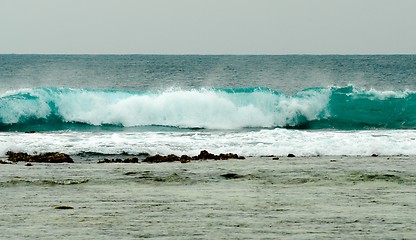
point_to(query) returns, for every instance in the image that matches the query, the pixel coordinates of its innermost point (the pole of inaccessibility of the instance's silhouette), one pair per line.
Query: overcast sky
(208, 26)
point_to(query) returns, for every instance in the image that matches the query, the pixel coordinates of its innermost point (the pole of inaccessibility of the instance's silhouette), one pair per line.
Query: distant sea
(250, 105)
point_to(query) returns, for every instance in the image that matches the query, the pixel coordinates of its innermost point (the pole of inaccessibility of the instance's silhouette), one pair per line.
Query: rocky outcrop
(118, 160)
(49, 157)
(203, 155)
(159, 158)
(5, 162)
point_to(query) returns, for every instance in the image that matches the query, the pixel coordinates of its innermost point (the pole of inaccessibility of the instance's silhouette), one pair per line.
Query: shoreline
(60, 157)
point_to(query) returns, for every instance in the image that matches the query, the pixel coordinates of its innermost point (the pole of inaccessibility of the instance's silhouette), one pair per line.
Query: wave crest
(335, 107)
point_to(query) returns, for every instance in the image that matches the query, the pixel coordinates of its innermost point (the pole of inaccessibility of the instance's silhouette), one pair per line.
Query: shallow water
(256, 198)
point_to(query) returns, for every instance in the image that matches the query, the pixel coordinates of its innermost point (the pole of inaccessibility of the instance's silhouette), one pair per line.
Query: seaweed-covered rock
(230, 156)
(203, 155)
(49, 157)
(159, 158)
(118, 160)
(172, 158)
(185, 159)
(131, 160)
(154, 159)
(18, 157)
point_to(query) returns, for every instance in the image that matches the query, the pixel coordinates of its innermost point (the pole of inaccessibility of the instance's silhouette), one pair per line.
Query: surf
(345, 108)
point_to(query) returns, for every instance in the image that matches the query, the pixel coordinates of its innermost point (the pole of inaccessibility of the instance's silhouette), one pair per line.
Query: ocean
(251, 105)
(348, 123)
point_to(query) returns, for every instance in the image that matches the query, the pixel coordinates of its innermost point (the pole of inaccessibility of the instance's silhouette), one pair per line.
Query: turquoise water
(51, 109)
(234, 98)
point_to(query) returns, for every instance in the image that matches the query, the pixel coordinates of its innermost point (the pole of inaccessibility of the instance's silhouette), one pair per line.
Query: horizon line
(219, 54)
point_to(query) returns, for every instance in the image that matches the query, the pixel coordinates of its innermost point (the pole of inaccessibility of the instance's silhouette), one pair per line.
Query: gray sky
(208, 26)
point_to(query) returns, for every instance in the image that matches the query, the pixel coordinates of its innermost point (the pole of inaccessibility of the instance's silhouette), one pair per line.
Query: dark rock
(185, 159)
(203, 155)
(53, 157)
(291, 155)
(230, 156)
(131, 160)
(63, 207)
(49, 157)
(276, 158)
(118, 160)
(374, 155)
(29, 164)
(172, 158)
(18, 157)
(231, 176)
(159, 158)
(153, 159)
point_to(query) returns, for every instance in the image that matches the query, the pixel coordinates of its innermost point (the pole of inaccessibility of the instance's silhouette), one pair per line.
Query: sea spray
(314, 108)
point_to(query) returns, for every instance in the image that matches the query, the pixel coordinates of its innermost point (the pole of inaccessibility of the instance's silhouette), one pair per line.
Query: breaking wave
(346, 108)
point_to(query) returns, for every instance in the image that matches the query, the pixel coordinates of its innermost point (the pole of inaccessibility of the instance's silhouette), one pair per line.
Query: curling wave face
(348, 107)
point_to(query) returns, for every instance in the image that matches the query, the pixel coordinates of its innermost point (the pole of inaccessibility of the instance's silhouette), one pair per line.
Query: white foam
(307, 104)
(194, 108)
(178, 108)
(374, 94)
(189, 109)
(255, 143)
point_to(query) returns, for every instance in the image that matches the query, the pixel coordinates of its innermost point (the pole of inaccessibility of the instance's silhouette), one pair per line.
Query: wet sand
(255, 198)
